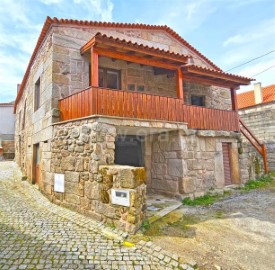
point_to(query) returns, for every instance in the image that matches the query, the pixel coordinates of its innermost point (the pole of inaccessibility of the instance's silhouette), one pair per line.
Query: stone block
(106, 210)
(92, 190)
(71, 187)
(166, 186)
(79, 165)
(72, 198)
(188, 185)
(176, 167)
(84, 137)
(68, 164)
(72, 177)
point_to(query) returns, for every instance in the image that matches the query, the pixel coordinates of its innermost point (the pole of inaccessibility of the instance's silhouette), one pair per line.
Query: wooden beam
(180, 84)
(209, 81)
(218, 75)
(234, 99)
(135, 59)
(94, 68)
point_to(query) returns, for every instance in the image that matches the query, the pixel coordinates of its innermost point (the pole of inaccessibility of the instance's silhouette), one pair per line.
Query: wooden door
(226, 164)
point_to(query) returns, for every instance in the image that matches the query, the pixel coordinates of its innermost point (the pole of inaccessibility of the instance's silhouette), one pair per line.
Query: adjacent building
(7, 130)
(107, 112)
(257, 110)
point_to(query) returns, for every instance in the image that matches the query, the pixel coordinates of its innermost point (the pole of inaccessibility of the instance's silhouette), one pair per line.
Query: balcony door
(109, 78)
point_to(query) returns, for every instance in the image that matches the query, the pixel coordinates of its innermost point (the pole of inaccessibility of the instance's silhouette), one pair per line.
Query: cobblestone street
(36, 234)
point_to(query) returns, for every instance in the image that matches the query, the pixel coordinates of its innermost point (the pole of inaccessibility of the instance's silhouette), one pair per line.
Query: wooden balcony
(98, 101)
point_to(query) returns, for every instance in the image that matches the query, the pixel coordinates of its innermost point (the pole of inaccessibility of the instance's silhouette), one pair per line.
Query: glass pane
(100, 78)
(197, 100)
(112, 79)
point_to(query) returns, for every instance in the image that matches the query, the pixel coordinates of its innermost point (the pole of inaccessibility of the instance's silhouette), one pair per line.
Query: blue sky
(228, 32)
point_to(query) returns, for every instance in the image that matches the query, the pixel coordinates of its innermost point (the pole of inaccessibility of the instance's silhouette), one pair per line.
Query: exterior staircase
(260, 147)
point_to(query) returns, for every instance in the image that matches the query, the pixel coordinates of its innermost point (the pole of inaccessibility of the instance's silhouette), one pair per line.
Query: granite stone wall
(190, 162)
(215, 97)
(83, 151)
(261, 121)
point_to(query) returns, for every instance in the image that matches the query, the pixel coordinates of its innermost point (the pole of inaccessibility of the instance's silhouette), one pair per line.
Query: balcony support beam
(180, 84)
(234, 99)
(94, 68)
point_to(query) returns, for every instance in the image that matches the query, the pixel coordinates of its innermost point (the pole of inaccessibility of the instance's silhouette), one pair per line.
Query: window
(198, 101)
(37, 95)
(109, 78)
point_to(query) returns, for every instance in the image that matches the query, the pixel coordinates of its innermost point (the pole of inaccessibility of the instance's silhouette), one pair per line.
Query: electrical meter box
(120, 197)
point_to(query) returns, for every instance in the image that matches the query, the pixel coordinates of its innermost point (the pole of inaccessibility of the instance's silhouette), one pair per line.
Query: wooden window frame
(105, 70)
(196, 96)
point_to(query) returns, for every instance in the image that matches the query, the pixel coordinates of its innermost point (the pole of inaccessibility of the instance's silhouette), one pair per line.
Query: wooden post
(180, 84)
(264, 154)
(234, 99)
(94, 68)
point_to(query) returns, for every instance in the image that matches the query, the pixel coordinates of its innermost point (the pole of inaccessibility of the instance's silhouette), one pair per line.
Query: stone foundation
(190, 162)
(83, 151)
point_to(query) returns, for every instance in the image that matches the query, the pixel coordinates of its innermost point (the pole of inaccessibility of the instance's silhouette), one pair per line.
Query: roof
(55, 21)
(247, 99)
(216, 75)
(123, 49)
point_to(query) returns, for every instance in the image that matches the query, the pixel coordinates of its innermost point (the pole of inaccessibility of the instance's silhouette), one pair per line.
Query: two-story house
(109, 111)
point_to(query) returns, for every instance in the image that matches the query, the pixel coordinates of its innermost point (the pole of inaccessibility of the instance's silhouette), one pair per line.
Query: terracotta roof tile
(137, 45)
(219, 72)
(247, 99)
(50, 21)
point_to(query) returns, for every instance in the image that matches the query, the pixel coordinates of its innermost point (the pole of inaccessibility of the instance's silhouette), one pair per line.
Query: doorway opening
(227, 163)
(129, 150)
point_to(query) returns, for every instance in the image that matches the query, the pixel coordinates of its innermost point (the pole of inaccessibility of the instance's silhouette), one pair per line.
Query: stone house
(7, 130)
(107, 112)
(257, 110)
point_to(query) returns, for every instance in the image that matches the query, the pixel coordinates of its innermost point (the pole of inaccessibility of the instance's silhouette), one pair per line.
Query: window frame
(197, 96)
(105, 72)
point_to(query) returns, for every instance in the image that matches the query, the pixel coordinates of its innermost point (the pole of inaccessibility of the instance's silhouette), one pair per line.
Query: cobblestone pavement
(36, 234)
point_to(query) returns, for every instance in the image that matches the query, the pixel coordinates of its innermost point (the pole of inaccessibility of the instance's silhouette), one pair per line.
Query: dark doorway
(129, 150)
(227, 163)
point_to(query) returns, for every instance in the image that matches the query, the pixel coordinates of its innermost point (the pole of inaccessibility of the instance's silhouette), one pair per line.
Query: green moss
(204, 200)
(140, 175)
(263, 182)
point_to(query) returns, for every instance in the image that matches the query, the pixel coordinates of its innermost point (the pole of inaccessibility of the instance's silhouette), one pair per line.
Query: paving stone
(36, 234)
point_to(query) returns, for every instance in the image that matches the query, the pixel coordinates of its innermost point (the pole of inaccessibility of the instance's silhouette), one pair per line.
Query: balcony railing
(98, 101)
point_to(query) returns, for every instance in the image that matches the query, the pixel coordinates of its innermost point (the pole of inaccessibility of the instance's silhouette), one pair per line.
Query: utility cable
(251, 60)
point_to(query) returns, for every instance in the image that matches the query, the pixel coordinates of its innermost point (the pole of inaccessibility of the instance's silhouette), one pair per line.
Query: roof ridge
(49, 21)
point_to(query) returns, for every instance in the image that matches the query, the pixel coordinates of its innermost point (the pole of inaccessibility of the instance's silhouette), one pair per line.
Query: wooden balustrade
(98, 101)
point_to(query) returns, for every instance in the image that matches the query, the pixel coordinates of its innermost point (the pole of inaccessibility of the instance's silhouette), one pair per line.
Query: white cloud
(50, 2)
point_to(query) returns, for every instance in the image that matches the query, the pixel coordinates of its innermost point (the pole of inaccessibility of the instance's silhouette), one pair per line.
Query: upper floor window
(198, 101)
(109, 78)
(37, 95)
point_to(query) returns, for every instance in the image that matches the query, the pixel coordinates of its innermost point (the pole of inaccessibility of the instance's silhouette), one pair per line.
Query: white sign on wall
(120, 197)
(59, 182)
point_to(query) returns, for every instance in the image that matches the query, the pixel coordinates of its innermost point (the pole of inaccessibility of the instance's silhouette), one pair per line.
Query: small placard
(120, 197)
(59, 182)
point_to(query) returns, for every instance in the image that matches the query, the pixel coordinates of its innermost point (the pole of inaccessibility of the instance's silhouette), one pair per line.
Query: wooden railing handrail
(260, 147)
(138, 105)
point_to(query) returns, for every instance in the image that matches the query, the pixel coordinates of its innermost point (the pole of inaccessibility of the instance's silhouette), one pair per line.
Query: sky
(228, 32)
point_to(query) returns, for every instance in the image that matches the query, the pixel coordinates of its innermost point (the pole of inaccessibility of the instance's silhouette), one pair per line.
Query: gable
(80, 32)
